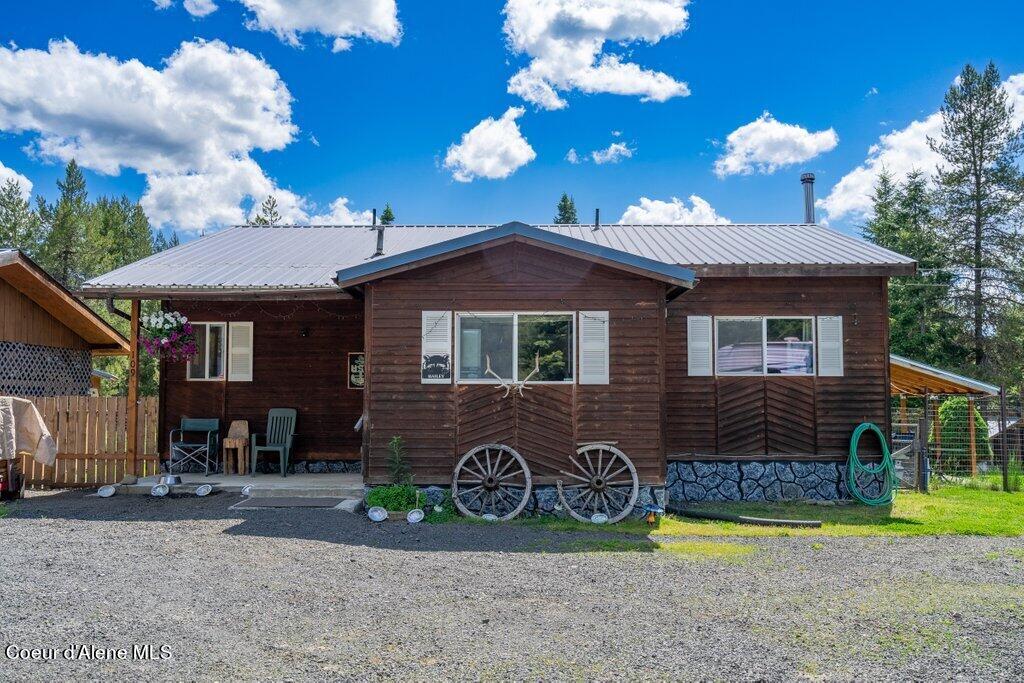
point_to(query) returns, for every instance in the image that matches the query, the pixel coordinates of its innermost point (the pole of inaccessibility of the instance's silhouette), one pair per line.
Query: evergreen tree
(63, 249)
(566, 211)
(117, 233)
(19, 225)
(268, 214)
(160, 243)
(919, 307)
(387, 216)
(981, 190)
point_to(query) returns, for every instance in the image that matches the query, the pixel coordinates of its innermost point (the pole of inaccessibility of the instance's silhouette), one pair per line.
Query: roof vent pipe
(597, 219)
(380, 236)
(807, 179)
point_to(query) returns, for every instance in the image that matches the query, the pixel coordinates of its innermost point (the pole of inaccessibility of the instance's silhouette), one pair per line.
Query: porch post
(133, 390)
(971, 438)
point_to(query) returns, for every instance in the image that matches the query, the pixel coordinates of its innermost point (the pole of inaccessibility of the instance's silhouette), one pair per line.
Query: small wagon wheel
(491, 479)
(603, 480)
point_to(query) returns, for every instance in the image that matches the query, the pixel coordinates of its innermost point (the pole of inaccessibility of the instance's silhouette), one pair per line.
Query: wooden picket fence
(92, 434)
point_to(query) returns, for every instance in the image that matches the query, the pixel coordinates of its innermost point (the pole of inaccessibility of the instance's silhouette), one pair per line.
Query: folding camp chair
(202, 448)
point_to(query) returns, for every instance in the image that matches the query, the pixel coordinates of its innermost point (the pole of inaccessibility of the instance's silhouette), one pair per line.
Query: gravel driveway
(321, 594)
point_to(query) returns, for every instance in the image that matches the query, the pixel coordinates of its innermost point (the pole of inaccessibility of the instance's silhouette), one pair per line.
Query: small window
(790, 346)
(549, 340)
(483, 337)
(739, 346)
(208, 363)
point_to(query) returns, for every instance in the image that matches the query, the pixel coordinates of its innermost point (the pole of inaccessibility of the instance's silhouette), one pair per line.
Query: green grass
(3, 510)
(952, 510)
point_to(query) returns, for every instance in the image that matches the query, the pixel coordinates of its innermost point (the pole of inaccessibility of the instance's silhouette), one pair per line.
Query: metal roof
(913, 378)
(381, 266)
(308, 257)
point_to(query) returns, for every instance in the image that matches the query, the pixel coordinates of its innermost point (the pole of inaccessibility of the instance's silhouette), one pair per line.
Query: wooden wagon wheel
(603, 481)
(491, 479)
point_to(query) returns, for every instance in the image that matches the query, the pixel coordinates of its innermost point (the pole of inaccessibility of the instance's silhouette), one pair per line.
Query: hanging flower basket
(168, 335)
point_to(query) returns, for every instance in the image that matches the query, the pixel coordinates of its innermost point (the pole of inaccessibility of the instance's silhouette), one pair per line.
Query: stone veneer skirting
(694, 482)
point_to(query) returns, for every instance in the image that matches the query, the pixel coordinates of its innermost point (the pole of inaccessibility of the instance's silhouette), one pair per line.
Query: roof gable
(383, 266)
(28, 278)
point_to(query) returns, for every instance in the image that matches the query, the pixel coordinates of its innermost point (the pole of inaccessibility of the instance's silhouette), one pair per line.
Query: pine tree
(981, 188)
(566, 211)
(63, 249)
(268, 214)
(160, 242)
(919, 307)
(19, 225)
(387, 216)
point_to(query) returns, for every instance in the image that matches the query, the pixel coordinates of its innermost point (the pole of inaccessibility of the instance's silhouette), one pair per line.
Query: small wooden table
(237, 441)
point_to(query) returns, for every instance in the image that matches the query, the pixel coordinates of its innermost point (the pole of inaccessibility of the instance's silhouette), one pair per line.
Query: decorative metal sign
(436, 366)
(356, 370)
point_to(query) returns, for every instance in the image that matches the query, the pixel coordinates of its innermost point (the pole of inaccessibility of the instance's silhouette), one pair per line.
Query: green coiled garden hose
(855, 467)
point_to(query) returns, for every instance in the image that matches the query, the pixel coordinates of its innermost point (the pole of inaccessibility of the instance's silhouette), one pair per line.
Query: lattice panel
(33, 370)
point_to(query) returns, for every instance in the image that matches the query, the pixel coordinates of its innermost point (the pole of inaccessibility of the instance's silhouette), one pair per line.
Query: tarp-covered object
(22, 430)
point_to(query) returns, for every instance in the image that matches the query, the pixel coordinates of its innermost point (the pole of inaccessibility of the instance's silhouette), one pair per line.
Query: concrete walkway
(326, 485)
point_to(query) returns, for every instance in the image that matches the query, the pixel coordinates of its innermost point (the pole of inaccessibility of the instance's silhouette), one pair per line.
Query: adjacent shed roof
(913, 378)
(307, 258)
(32, 281)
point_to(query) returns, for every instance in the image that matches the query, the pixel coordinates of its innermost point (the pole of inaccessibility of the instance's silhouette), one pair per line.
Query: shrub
(398, 464)
(956, 437)
(395, 497)
(447, 513)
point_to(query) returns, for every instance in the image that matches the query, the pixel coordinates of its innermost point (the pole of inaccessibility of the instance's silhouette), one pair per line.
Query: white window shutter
(436, 357)
(830, 346)
(240, 352)
(594, 347)
(698, 346)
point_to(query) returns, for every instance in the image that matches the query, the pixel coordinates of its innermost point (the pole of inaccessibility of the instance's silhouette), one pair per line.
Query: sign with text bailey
(436, 366)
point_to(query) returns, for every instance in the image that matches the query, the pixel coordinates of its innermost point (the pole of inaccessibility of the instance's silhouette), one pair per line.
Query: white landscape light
(599, 518)
(247, 490)
(203, 490)
(160, 490)
(489, 517)
(414, 516)
(106, 491)
(377, 514)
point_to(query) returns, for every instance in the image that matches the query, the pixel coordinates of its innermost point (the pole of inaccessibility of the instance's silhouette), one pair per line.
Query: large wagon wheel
(603, 481)
(491, 479)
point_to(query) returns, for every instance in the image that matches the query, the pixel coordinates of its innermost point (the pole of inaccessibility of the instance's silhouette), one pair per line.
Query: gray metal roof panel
(246, 257)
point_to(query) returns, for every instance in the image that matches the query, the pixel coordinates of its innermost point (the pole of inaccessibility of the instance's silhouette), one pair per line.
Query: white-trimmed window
(211, 341)
(515, 344)
(764, 345)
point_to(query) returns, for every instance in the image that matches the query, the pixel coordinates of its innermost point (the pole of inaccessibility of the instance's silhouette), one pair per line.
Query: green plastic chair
(278, 439)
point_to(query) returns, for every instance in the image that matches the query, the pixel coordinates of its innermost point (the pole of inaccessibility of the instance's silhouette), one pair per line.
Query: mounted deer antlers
(509, 386)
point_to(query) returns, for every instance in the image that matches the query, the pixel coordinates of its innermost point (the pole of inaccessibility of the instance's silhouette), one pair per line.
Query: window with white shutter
(594, 347)
(436, 361)
(830, 346)
(698, 346)
(240, 352)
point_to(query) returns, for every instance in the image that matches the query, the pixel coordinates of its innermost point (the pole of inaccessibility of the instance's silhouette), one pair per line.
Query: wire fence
(972, 440)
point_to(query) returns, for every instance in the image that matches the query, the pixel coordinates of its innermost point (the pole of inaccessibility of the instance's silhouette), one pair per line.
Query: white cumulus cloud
(565, 42)
(189, 127)
(10, 174)
(572, 156)
(341, 20)
(765, 145)
(899, 152)
(675, 212)
(339, 213)
(493, 148)
(612, 154)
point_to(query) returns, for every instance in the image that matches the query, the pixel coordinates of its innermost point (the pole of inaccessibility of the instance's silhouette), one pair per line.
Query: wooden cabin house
(47, 336)
(720, 361)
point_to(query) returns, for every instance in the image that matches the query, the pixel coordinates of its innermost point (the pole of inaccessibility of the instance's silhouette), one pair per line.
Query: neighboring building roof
(912, 378)
(383, 266)
(24, 275)
(298, 258)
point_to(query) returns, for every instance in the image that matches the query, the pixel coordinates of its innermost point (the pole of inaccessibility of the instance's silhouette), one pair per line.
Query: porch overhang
(913, 378)
(676, 277)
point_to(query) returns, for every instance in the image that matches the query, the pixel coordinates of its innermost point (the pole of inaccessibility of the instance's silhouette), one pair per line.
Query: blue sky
(385, 111)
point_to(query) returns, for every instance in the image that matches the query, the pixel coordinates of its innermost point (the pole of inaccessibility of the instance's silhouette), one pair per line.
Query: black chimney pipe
(597, 219)
(807, 179)
(380, 236)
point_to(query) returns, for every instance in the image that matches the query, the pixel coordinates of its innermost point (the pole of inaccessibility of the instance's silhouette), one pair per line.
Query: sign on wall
(436, 366)
(356, 370)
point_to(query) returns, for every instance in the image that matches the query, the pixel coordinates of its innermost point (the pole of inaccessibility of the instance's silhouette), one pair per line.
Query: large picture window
(764, 346)
(515, 344)
(208, 363)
